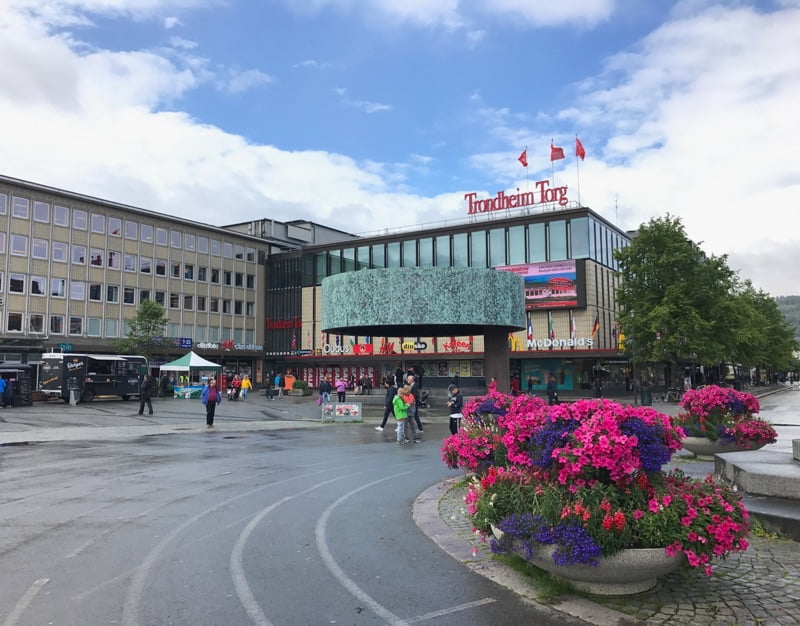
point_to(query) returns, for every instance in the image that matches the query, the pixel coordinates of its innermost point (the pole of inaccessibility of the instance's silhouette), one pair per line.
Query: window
(497, 247)
(41, 212)
(161, 236)
(75, 325)
(213, 334)
(61, 218)
(238, 307)
(251, 281)
(112, 293)
(93, 327)
(79, 221)
(460, 250)
(393, 254)
(579, 237)
(77, 290)
(226, 277)
(96, 257)
(36, 323)
(557, 240)
(113, 260)
(144, 294)
(250, 254)
(145, 265)
(226, 306)
(215, 276)
(1, 282)
(16, 283)
(96, 292)
(202, 274)
(115, 227)
(202, 245)
(213, 305)
(128, 295)
(111, 327)
(188, 272)
(14, 323)
(188, 241)
(58, 287)
(19, 245)
(98, 223)
(175, 239)
(38, 285)
(516, 245)
(478, 249)
(39, 248)
(215, 247)
(201, 303)
(176, 270)
(200, 333)
(174, 300)
(188, 303)
(426, 252)
(131, 229)
(3, 204)
(56, 324)
(161, 267)
(238, 252)
(238, 279)
(130, 263)
(250, 309)
(146, 233)
(2, 243)
(160, 295)
(227, 250)
(20, 207)
(79, 255)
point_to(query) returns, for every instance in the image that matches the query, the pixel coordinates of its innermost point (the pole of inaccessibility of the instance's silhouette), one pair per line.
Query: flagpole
(578, 167)
(527, 180)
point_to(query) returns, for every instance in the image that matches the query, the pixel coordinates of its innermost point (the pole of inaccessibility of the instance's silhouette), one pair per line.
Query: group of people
(239, 387)
(402, 401)
(6, 393)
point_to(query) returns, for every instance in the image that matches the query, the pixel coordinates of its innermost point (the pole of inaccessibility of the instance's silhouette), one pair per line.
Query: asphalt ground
(759, 586)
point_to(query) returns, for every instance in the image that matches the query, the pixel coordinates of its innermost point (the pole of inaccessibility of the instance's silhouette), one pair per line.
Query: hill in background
(790, 307)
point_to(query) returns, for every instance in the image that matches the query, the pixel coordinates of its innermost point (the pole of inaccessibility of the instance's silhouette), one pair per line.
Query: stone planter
(299, 392)
(705, 449)
(625, 573)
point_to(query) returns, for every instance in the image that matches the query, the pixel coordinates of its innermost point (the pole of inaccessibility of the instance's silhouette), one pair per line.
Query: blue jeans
(401, 430)
(326, 396)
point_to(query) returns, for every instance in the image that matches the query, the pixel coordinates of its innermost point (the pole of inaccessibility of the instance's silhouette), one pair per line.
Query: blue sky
(374, 114)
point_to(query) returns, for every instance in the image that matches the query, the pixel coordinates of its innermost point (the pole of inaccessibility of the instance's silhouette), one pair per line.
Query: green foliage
(790, 307)
(145, 331)
(299, 384)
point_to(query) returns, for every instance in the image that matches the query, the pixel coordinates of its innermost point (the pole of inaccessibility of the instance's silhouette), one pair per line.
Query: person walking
(341, 389)
(325, 389)
(279, 385)
(552, 390)
(146, 391)
(388, 401)
(530, 386)
(455, 402)
(3, 385)
(401, 414)
(492, 386)
(413, 412)
(210, 398)
(246, 387)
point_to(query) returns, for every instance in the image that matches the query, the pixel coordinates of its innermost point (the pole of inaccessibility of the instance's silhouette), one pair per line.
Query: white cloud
(240, 81)
(180, 42)
(172, 22)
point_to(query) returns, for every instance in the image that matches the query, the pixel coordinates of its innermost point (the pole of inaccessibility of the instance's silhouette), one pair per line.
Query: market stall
(191, 380)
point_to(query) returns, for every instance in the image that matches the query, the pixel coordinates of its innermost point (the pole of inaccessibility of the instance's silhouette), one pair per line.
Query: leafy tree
(675, 301)
(145, 331)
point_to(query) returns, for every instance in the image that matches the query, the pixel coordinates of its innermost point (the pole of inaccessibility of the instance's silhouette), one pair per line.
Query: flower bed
(586, 478)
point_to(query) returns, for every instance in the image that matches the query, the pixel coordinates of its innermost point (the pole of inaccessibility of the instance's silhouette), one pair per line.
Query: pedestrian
(325, 389)
(146, 390)
(598, 387)
(279, 385)
(246, 387)
(3, 386)
(552, 390)
(419, 372)
(399, 376)
(341, 389)
(388, 401)
(455, 402)
(236, 384)
(530, 386)
(515, 386)
(401, 414)
(210, 397)
(492, 386)
(163, 386)
(413, 413)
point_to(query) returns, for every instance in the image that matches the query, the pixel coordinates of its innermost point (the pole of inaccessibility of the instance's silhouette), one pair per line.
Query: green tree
(145, 331)
(675, 301)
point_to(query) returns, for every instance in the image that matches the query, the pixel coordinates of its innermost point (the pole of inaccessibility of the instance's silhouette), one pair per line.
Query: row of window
(116, 227)
(76, 325)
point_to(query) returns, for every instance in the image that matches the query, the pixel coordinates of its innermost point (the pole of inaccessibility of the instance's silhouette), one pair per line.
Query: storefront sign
(294, 322)
(457, 346)
(331, 349)
(544, 194)
(578, 342)
(66, 347)
(363, 348)
(414, 345)
(247, 347)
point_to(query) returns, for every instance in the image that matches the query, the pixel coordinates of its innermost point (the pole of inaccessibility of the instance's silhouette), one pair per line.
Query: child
(401, 413)
(407, 394)
(455, 402)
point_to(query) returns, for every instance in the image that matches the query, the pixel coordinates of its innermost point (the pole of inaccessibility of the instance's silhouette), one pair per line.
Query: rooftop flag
(579, 151)
(523, 158)
(556, 152)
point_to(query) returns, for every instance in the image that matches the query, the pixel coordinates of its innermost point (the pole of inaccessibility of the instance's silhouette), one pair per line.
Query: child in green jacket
(401, 413)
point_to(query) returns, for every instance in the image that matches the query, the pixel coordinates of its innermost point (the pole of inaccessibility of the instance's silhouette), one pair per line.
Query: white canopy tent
(190, 362)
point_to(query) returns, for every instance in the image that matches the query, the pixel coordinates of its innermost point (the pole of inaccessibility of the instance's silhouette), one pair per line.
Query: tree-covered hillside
(790, 307)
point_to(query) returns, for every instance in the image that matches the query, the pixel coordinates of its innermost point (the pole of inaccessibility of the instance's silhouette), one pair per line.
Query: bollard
(73, 397)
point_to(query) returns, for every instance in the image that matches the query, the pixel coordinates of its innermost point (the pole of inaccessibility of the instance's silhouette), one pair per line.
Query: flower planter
(625, 573)
(705, 449)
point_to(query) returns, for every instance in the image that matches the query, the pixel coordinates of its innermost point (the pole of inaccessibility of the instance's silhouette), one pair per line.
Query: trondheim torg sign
(544, 194)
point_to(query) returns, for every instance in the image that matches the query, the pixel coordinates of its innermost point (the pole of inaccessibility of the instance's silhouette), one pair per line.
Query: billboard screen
(550, 285)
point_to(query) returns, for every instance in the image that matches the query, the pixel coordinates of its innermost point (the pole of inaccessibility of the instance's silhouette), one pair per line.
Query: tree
(145, 331)
(675, 301)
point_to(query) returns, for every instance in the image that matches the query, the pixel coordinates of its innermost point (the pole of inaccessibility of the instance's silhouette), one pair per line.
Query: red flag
(596, 325)
(523, 158)
(556, 153)
(579, 151)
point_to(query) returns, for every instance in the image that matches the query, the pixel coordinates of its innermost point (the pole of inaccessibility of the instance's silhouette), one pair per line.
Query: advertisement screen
(552, 285)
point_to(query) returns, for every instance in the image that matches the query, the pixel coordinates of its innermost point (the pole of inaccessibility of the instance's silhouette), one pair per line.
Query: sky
(372, 115)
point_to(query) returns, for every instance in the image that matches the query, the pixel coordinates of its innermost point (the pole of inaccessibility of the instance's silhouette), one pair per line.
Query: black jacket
(456, 403)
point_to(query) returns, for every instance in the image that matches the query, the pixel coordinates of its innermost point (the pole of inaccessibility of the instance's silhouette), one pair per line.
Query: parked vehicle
(91, 375)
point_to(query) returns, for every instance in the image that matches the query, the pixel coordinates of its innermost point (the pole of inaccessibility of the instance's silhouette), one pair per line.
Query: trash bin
(646, 396)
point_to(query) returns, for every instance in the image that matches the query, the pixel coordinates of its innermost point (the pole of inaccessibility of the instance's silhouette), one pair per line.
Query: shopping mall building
(74, 268)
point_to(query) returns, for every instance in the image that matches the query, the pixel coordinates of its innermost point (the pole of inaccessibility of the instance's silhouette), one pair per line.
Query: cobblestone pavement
(759, 586)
